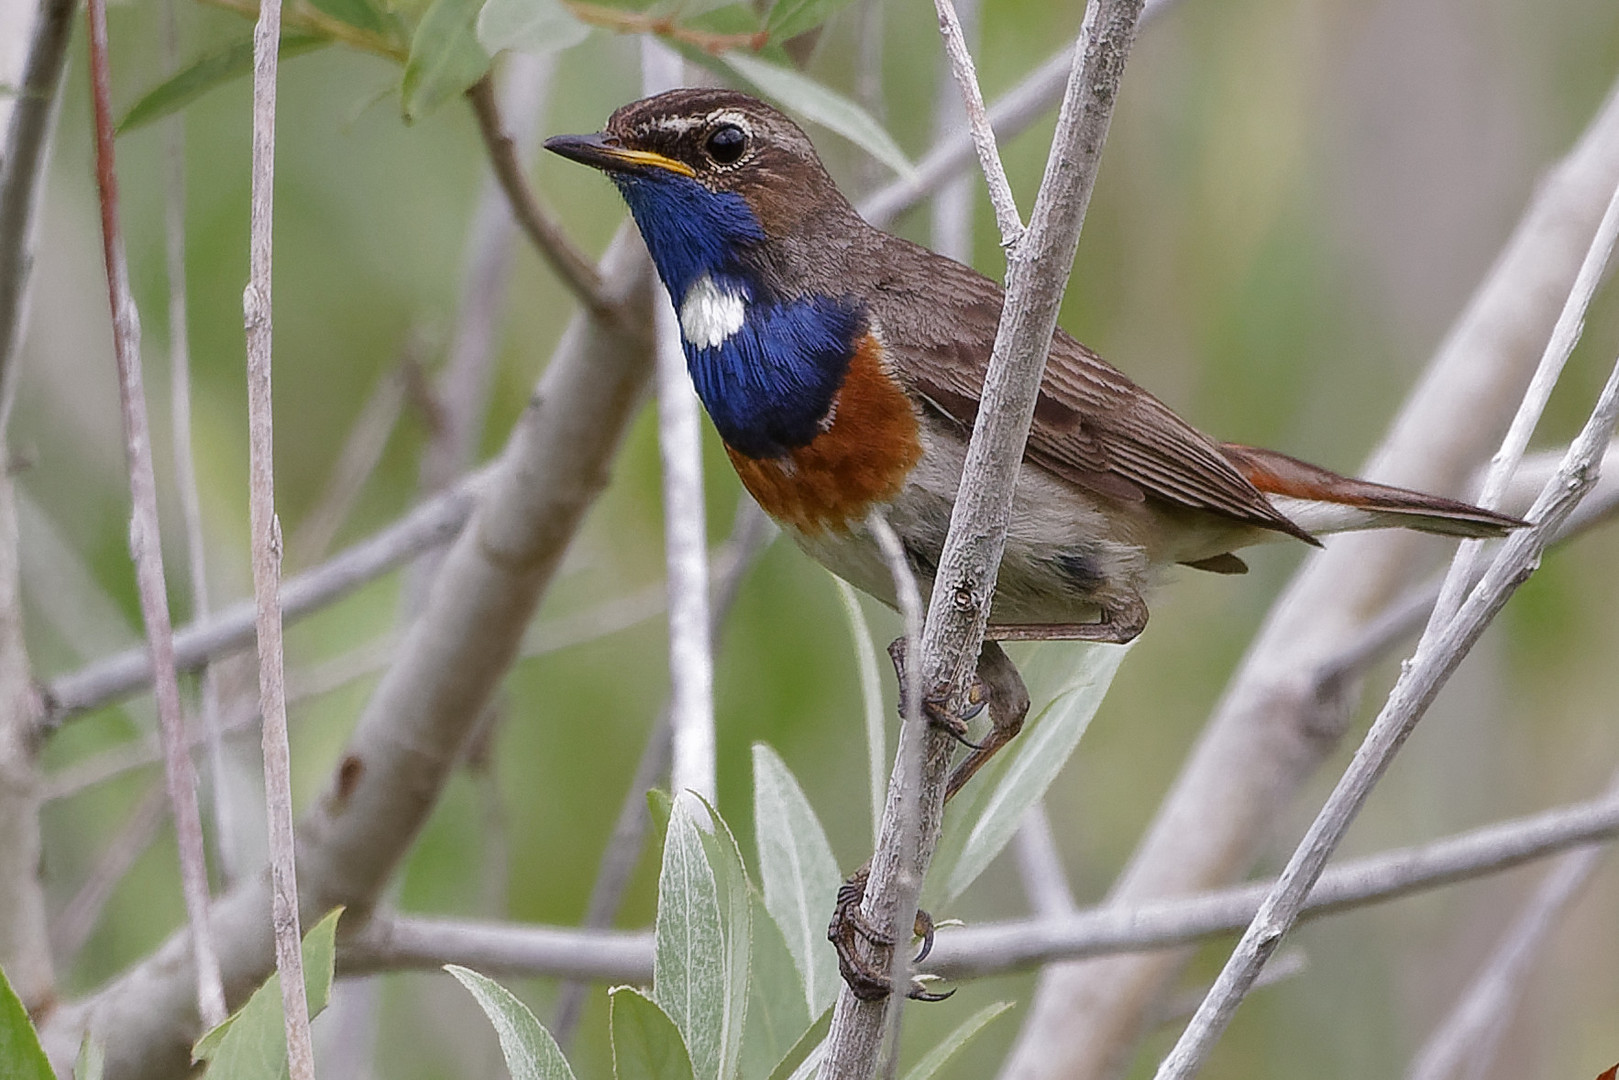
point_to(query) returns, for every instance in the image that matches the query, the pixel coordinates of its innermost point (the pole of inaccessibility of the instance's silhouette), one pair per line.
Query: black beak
(599, 152)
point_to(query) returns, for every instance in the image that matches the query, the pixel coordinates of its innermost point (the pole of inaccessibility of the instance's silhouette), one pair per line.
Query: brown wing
(1092, 425)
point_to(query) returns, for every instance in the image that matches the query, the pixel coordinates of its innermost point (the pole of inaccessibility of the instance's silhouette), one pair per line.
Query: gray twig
(265, 529)
(145, 543)
(1037, 273)
(1437, 655)
(983, 134)
(999, 948)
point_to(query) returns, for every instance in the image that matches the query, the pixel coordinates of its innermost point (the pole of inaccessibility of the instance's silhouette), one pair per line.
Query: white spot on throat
(709, 314)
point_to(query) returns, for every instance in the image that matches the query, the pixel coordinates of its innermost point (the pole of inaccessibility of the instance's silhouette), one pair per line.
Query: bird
(842, 367)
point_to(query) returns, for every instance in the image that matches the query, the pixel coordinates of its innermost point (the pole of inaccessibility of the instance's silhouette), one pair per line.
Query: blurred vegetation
(1295, 202)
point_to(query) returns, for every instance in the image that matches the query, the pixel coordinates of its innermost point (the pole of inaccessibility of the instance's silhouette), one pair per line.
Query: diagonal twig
(145, 543)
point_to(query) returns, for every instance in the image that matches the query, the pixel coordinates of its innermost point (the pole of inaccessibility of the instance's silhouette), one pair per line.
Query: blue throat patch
(769, 386)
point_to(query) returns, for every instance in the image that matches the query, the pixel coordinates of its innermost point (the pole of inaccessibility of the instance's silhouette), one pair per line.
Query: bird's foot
(936, 707)
(867, 980)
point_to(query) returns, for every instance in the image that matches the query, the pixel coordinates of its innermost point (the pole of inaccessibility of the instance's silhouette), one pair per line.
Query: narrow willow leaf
(735, 899)
(21, 1057)
(981, 820)
(539, 27)
(251, 1044)
(936, 1058)
(688, 959)
(871, 699)
(531, 1053)
(646, 1043)
(807, 1051)
(799, 874)
(777, 1014)
(203, 74)
(445, 57)
(820, 103)
(359, 13)
(92, 1061)
(789, 18)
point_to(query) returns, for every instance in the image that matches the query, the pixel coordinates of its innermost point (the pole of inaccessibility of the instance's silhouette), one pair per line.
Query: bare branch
(1437, 655)
(412, 732)
(1473, 1029)
(983, 135)
(1275, 723)
(145, 542)
(265, 530)
(1037, 274)
(998, 948)
(576, 271)
(1045, 882)
(434, 523)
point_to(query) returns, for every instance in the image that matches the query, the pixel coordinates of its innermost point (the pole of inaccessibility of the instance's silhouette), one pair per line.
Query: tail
(1322, 501)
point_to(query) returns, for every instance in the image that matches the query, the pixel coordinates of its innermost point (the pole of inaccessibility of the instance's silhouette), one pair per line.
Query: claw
(869, 982)
(924, 930)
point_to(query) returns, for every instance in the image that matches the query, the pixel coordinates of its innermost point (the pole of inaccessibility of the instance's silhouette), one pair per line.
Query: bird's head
(719, 183)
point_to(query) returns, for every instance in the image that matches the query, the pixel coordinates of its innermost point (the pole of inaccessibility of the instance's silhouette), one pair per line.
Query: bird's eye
(726, 143)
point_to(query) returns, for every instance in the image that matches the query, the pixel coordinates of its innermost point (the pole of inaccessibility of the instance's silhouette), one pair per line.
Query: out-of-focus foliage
(1295, 202)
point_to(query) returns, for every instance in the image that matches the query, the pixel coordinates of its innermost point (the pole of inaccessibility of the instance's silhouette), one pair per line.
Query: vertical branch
(691, 663)
(145, 544)
(185, 470)
(266, 533)
(952, 220)
(1038, 263)
(989, 155)
(23, 939)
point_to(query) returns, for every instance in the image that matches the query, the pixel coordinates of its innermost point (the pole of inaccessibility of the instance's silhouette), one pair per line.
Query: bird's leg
(996, 684)
(936, 708)
(1122, 621)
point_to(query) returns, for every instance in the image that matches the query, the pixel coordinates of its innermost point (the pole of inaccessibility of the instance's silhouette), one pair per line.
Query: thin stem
(1437, 655)
(266, 537)
(1039, 863)
(578, 273)
(983, 134)
(1565, 335)
(144, 538)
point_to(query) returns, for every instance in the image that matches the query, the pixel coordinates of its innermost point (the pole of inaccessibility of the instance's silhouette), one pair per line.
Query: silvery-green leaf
(936, 1058)
(777, 1015)
(789, 18)
(531, 1053)
(799, 874)
(805, 1056)
(871, 700)
(529, 26)
(646, 1043)
(820, 103)
(736, 917)
(218, 67)
(251, 1044)
(689, 954)
(1072, 679)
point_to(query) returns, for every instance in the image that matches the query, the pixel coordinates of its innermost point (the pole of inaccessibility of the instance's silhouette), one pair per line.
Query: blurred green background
(1296, 200)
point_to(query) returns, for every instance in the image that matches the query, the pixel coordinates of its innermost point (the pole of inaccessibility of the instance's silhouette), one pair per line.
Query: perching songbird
(842, 367)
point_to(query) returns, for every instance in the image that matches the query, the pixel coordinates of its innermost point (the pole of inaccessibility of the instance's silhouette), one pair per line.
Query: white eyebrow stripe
(710, 314)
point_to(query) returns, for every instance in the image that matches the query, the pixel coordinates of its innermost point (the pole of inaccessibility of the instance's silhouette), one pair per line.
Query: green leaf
(821, 104)
(202, 75)
(1073, 680)
(799, 874)
(936, 1058)
(688, 960)
(804, 1058)
(531, 1053)
(789, 18)
(21, 1057)
(777, 1014)
(871, 697)
(736, 916)
(539, 27)
(445, 57)
(251, 1044)
(358, 13)
(646, 1043)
